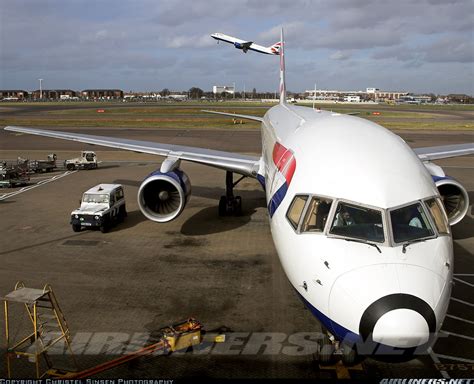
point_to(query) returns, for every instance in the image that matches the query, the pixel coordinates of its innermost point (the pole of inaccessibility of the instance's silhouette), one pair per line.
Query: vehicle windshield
(358, 222)
(410, 223)
(95, 198)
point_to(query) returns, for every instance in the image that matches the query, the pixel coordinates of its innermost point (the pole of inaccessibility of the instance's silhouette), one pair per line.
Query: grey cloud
(340, 55)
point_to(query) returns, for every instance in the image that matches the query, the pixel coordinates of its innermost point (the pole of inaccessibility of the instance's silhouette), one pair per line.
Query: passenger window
(438, 215)
(316, 215)
(296, 209)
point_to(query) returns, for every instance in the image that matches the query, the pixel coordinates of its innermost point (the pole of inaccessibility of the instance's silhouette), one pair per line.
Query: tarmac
(117, 289)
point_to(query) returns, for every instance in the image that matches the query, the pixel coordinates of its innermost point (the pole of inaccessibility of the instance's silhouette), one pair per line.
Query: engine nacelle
(163, 196)
(455, 198)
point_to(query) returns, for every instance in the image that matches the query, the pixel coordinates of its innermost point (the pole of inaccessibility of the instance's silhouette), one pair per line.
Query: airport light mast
(41, 89)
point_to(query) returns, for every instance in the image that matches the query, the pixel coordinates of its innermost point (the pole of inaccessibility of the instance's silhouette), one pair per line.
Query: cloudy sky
(142, 45)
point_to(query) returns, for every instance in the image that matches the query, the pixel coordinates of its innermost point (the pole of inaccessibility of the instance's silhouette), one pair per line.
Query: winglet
(282, 70)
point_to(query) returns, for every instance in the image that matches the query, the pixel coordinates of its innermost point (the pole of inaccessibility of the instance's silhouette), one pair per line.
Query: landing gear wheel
(238, 206)
(223, 206)
(76, 227)
(349, 354)
(326, 350)
(70, 167)
(228, 204)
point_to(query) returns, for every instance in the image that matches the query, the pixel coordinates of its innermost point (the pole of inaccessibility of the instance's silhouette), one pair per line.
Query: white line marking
(457, 335)
(39, 184)
(435, 359)
(455, 358)
(462, 301)
(460, 319)
(464, 274)
(455, 166)
(464, 282)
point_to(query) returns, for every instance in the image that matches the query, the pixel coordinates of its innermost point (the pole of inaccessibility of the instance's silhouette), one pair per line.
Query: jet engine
(455, 198)
(163, 196)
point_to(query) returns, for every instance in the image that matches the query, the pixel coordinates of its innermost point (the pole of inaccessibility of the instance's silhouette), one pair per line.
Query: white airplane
(248, 45)
(360, 221)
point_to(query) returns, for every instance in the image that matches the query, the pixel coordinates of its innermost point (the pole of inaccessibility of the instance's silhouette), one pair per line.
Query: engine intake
(163, 196)
(455, 198)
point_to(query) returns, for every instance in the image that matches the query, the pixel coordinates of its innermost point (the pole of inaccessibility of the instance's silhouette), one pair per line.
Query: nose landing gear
(330, 350)
(230, 205)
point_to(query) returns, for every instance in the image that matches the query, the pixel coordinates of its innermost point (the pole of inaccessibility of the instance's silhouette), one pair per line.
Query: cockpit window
(296, 210)
(438, 215)
(410, 223)
(317, 215)
(358, 222)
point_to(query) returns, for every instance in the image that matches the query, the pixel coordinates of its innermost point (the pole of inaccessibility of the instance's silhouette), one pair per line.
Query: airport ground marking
(38, 184)
(464, 282)
(435, 359)
(455, 358)
(460, 319)
(455, 166)
(457, 335)
(462, 302)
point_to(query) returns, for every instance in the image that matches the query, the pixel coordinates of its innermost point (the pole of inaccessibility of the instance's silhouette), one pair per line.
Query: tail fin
(282, 70)
(275, 48)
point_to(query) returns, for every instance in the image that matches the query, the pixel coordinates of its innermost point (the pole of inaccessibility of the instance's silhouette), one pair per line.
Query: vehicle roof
(103, 188)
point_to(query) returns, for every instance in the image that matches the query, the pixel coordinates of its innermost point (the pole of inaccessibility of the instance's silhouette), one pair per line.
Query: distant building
(352, 98)
(218, 89)
(102, 94)
(460, 98)
(177, 97)
(374, 94)
(53, 94)
(13, 94)
(414, 99)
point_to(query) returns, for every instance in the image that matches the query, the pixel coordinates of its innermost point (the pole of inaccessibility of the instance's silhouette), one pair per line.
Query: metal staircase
(50, 338)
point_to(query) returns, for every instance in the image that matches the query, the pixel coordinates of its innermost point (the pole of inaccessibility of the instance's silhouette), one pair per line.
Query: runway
(142, 275)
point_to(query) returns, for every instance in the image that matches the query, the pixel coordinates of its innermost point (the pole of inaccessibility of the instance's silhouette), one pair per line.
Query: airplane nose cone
(398, 320)
(403, 328)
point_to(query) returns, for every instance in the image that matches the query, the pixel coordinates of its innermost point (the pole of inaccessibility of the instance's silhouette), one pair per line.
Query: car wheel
(104, 228)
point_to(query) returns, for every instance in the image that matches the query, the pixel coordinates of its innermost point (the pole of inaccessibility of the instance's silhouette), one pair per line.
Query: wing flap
(242, 164)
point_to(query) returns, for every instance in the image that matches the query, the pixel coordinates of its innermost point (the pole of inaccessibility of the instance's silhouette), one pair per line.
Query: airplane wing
(242, 164)
(444, 151)
(249, 117)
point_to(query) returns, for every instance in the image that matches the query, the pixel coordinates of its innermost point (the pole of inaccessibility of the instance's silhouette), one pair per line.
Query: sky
(147, 45)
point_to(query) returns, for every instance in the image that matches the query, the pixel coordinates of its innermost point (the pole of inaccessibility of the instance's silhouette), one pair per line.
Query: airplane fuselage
(246, 45)
(395, 293)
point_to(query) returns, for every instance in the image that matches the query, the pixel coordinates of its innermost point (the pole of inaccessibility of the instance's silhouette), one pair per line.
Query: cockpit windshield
(410, 223)
(102, 198)
(353, 221)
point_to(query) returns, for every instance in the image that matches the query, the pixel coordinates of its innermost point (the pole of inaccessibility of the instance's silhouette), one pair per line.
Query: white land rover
(101, 206)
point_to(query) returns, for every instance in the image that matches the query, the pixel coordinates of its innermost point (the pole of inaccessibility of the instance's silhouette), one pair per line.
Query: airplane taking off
(360, 221)
(248, 45)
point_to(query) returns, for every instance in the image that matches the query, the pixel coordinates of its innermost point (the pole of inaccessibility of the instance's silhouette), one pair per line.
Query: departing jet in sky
(248, 45)
(360, 221)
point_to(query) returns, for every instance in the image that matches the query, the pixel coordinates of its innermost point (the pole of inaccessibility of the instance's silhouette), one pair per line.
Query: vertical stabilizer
(282, 70)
